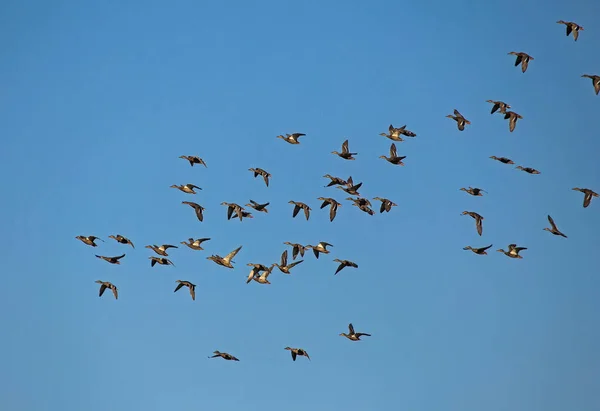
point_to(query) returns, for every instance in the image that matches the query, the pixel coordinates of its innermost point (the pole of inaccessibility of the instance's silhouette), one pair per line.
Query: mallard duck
(264, 277)
(595, 81)
(528, 170)
(297, 352)
(396, 132)
(394, 158)
(328, 201)
(363, 204)
(194, 160)
(258, 207)
(513, 251)
(386, 205)
(478, 220)
(498, 105)
(284, 267)
(478, 251)
(112, 260)
(335, 181)
(353, 336)
(474, 191)
(260, 172)
(242, 214)
(554, 230)
(186, 188)
(231, 207)
(89, 240)
(503, 160)
(522, 59)
(292, 138)
(225, 261)
(588, 194)
(344, 264)
(571, 28)
(512, 117)
(319, 248)
(350, 187)
(195, 244)
(256, 269)
(300, 206)
(189, 285)
(461, 121)
(345, 154)
(161, 250)
(120, 239)
(296, 249)
(197, 208)
(104, 285)
(224, 355)
(160, 260)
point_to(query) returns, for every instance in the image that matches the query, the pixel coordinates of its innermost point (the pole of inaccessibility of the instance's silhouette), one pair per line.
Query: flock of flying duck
(260, 272)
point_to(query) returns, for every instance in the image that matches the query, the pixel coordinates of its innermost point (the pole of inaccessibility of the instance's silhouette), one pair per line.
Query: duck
(522, 58)
(512, 117)
(195, 244)
(513, 251)
(327, 201)
(478, 220)
(242, 214)
(345, 154)
(186, 188)
(291, 138)
(260, 172)
(256, 269)
(258, 207)
(320, 248)
(264, 277)
(572, 27)
(189, 285)
(297, 352)
(161, 250)
(554, 230)
(503, 160)
(461, 121)
(595, 81)
(283, 266)
(335, 181)
(588, 194)
(528, 170)
(344, 264)
(197, 208)
(296, 249)
(224, 355)
(112, 260)
(89, 240)
(352, 335)
(231, 207)
(104, 285)
(363, 204)
(120, 239)
(474, 191)
(396, 132)
(394, 158)
(350, 187)
(478, 251)
(225, 261)
(194, 160)
(160, 260)
(498, 105)
(300, 206)
(386, 205)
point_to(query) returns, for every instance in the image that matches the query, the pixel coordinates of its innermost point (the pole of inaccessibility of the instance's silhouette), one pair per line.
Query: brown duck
(474, 191)
(595, 81)
(553, 229)
(112, 260)
(503, 160)
(195, 244)
(197, 208)
(572, 27)
(478, 220)
(260, 172)
(460, 120)
(352, 335)
(224, 356)
(319, 248)
(335, 181)
(363, 204)
(186, 188)
(256, 269)
(291, 138)
(523, 59)
(161, 250)
(386, 205)
(296, 249)
(264, 277)
(512, 118)
(104, 285)
(345, 154)
(242, 214)
(283, 266)
(513, 251)
(528, 170)
(300, 206)
(498, 105)
(351, 188)
(396, 132)
(394, 158)
(120, 239)
(89, 240)
(478, 251)
(327, 201)
(231, 207)
(194, 160)
(258, 207)
(588, 194)
(189, 285)
(297, 352)
(160, 260)
(344, 264)
(225, 261)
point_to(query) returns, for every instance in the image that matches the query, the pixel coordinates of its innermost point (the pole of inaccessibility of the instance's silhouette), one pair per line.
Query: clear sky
(98, 101)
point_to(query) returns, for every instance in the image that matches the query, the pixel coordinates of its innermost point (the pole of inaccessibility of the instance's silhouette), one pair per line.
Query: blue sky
(98, 101)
